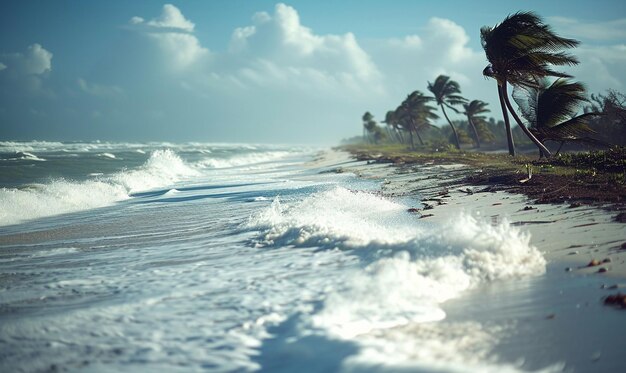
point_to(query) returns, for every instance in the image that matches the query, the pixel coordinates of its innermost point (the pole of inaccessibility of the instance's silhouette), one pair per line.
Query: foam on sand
(409, 267)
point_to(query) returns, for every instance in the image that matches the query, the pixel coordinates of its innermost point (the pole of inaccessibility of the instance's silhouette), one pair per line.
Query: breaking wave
(61, 196)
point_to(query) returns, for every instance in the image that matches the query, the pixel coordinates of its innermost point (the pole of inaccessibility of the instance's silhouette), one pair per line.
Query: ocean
(234, 258)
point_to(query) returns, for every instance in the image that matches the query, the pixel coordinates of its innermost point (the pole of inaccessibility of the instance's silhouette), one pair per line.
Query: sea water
(233, 257)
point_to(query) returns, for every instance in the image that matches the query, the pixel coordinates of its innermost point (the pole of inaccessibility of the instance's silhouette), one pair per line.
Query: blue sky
(258, 71)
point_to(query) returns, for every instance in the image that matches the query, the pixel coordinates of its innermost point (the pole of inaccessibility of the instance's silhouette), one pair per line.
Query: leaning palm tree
(520, 51)
(473, 111)
(415, 114)
(447, 94)
(392, 121)
(550, 110)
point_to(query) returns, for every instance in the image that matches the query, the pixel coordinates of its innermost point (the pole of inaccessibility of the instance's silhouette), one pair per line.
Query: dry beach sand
(557, 321)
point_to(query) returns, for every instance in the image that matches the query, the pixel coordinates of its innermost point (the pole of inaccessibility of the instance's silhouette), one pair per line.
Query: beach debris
(593, 263)
(496, 204)
(621, 217)
(575, 204)
(444, 193)
(413, 210)
(490, 189)
(551, 316)
(529, 170)
(602, 270)
(426, 216)
(618, 300)
(623, 247)
(606, 260)
(427, 206)
(467, 191)
(569, 269)
(575, 252)
(527, 208)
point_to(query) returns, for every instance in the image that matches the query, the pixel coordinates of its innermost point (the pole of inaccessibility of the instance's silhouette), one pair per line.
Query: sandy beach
(560, 315)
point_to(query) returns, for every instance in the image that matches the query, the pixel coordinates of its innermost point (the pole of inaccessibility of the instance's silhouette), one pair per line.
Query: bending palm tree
(473, 111)
(392, 121)
(550, 110)
(520, 51)
(416, 114)
(447, 93)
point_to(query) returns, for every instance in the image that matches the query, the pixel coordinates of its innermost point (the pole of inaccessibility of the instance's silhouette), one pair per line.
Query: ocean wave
(23, 155)
(61, 196)
(411, 266)
(243, 159)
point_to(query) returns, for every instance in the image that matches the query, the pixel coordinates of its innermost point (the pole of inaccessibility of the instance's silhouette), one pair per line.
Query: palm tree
(520, 51)
(368, 125)
(415, 114)
(473, 111)
(392, 121)
(550, 110)
(447, 93)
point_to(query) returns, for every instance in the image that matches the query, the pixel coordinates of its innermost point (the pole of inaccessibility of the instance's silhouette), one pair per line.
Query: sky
(260, 71)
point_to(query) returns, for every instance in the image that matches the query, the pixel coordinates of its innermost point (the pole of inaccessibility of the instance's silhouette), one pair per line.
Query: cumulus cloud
(23, 73)
(34, 61)
(278, 48)
(441, 47)
(173, 35)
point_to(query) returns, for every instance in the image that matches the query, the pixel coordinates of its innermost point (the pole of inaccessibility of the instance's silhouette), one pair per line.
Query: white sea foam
(107, 155)
(163, 167)
(243, 159)
(411, 267)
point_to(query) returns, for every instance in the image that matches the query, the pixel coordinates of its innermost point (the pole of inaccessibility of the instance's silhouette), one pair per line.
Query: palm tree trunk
(400, 136)
(530, 135)
(507, 123)
(456, 135)
(417, 132)
(411, 136)
(471, 123)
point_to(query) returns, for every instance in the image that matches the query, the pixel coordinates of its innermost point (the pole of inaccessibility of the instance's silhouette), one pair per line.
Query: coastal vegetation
(587, 133)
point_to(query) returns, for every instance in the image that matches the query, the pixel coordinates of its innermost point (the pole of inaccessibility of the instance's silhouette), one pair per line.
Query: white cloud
(598, 31)
(442, 47)
(99, 90)
(173, 35)
(170, 18)
(282, 39)
(34, 61)
(601, 67)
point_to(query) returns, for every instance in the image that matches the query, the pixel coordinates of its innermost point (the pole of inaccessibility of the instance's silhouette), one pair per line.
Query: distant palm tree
(415, 114)
(473, 111)
(520, 51)
(368, 126)
(550, 110)
(447, 93)
(392, 121)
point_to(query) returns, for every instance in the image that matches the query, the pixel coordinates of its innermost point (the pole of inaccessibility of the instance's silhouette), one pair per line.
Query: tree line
(522, 52)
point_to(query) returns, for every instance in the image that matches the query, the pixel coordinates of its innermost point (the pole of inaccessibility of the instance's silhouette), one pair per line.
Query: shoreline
(554, 322)
(575, 232)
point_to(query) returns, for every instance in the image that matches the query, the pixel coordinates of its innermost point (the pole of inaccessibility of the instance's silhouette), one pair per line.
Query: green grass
(609, 164)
